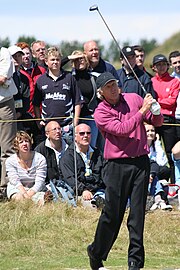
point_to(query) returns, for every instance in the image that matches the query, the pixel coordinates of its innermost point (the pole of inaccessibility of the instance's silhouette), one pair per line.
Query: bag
(149, 202)
(62, 191)
(99, 199)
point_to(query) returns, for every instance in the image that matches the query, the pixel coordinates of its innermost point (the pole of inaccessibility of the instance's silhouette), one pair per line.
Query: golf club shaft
(93, 8)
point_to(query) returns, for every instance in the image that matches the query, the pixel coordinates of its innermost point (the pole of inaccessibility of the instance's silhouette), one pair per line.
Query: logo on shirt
(55, 96)
(65, 87)
(44, 87)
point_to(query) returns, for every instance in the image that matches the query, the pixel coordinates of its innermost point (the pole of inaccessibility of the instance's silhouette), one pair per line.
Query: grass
(56, 236)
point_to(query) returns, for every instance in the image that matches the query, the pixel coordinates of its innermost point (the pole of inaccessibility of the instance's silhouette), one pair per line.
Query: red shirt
(37, 71)
(167, 89)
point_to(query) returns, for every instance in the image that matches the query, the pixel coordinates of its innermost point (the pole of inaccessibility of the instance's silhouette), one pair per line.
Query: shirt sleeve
(76, 93)
(12, 171)
(38, 96)
(41, 171)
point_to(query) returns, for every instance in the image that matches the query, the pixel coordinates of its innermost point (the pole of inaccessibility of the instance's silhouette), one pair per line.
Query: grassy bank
(56, 236)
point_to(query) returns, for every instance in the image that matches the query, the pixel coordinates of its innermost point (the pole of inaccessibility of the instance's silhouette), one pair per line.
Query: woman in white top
(26, 170)
(158, 170)
(157, 155)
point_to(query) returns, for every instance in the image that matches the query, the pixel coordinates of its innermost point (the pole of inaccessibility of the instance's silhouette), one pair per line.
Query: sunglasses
(82, 133)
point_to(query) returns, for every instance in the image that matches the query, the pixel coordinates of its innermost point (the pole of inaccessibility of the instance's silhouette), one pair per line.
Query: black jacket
(52, 166)
(91, 183)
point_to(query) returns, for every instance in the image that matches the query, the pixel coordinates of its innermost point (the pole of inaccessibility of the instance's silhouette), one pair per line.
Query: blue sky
(57, 20)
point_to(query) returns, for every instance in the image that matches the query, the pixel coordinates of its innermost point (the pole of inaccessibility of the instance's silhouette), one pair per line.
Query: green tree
(112, 52)
(29, 40)
(4, 42)
(148, 45)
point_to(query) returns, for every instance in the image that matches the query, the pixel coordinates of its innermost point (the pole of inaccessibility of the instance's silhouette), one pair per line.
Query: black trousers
(168, 133)
(128, 177)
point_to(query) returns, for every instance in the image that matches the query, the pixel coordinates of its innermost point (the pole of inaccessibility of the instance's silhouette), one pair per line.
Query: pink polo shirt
(123, 128)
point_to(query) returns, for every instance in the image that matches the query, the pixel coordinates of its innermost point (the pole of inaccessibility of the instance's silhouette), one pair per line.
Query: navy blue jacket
(131, 85)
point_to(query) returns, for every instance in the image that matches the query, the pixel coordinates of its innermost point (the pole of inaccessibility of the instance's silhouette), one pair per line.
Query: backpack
(62, 191)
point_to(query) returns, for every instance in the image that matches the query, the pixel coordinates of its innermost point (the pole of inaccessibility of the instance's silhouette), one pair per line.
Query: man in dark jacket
(89, 167)
(52, 149)
(128, 80)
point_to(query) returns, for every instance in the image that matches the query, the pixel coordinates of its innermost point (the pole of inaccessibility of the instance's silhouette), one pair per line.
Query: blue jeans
(155, 187)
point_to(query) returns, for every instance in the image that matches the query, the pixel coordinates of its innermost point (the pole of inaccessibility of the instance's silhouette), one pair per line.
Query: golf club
(155, 107)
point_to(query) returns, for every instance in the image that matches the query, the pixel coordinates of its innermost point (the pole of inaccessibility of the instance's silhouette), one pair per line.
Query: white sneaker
(164, 182)
(154, 207)
(164, 206)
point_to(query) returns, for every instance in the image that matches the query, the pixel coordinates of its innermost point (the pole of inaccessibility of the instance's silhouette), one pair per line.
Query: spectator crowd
(49, 137)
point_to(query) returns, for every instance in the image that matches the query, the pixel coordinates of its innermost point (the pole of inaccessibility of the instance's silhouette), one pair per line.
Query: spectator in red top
(167, 89)
(33, 71)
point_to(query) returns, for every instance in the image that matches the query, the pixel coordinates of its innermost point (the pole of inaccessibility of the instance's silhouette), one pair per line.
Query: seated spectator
(176, 159)
(26, 170)
(52, 149)
(89, 168)
(158, 170)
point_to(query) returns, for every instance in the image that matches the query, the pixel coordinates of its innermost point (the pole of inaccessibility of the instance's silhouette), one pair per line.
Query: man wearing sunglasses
(89, 168)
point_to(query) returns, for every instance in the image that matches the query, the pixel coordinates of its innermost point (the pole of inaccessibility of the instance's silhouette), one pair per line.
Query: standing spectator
(87, 85)
(167, 89)
(127, 79)
(174, 60)
(120, 118)
(97, 64)
(22, 98)
(58, 93)
(32, 71)
(140, 57)
(38, 48)
(7, 109)
(89, 168)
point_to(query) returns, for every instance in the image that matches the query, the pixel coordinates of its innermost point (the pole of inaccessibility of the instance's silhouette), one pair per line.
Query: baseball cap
(159, 58)
(14, 49)
(127, 51)
(104, 78)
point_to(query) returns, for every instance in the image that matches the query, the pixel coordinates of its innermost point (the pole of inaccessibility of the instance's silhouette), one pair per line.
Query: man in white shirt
(7, 107)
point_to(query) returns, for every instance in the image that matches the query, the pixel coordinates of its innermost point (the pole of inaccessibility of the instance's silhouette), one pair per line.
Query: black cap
(104, 78)
(159, 58)
(127, 51)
